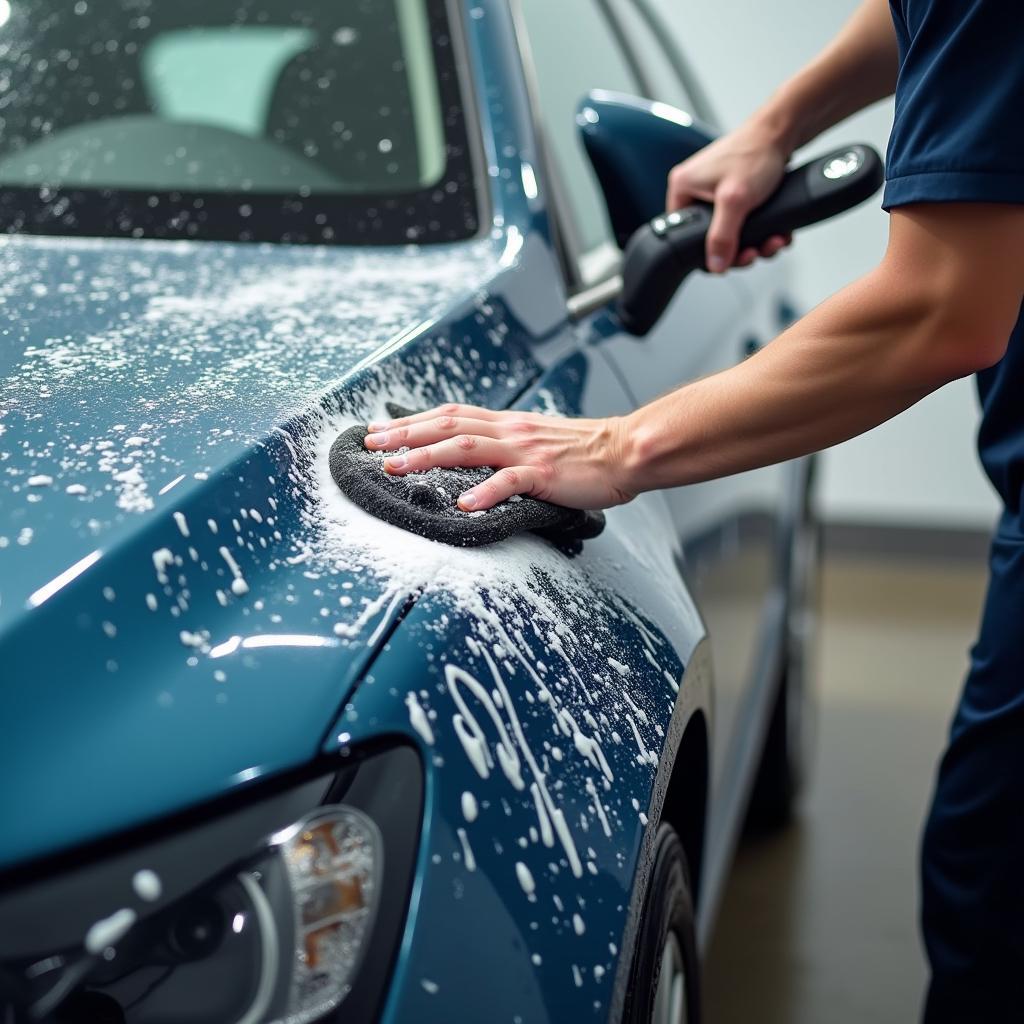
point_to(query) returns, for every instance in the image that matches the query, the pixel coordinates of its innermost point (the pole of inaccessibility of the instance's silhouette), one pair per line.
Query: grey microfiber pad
(426, 503)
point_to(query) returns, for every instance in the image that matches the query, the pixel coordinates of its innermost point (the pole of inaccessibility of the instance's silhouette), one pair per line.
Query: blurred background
(820, 921)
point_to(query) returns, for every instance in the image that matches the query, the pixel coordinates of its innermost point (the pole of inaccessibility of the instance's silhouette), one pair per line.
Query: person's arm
(740, 170)
(941, 305)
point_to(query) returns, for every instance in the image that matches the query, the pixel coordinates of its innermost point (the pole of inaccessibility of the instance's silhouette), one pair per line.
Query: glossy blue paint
(142, 682)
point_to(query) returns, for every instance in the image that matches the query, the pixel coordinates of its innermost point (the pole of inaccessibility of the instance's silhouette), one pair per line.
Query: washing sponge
(426, 503)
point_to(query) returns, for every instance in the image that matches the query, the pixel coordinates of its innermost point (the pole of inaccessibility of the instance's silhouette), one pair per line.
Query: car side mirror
(633, 143)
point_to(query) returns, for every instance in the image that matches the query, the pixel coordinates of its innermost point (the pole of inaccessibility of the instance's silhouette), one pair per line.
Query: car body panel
(483, 955)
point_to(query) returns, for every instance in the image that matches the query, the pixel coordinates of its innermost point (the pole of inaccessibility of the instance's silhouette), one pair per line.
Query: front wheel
(664, 983)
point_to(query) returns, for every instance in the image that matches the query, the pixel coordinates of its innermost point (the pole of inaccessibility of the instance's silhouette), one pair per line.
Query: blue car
(266, 758)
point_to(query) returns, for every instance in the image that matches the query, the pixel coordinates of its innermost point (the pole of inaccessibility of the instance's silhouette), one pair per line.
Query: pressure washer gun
(661, 254)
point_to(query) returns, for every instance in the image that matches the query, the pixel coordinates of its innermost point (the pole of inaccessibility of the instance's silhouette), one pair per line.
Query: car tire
(664, 983)
(789, 745)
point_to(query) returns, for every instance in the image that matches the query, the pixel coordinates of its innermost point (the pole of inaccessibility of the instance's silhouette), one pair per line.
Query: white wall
(920, 468)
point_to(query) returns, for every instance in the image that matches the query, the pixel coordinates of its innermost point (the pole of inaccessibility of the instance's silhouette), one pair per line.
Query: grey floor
(818, 924)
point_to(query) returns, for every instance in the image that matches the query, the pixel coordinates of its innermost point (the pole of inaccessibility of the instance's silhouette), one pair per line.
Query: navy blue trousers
(973, 849)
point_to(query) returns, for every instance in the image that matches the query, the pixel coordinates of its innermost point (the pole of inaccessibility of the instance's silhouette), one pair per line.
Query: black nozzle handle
(662, 253)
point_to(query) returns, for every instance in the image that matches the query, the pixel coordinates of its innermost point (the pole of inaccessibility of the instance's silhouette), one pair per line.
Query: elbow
(953, 333)
(953, 349)
(987, 350)
(952, 270)
(952, 324)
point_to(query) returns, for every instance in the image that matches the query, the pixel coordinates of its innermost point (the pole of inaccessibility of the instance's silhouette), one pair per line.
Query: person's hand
(736, 173)
(575, 462)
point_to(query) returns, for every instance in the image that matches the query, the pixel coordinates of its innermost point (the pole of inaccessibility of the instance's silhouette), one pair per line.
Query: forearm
(838, 372)
(857, 68)
(916, 322)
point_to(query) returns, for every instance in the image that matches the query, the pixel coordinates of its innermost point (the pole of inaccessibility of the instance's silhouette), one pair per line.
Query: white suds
(179, 518)
(547, 835)
(429, 986)
(525, 878)
(577, 924)
(109, 931)
(147, 885)
(469, 807)
(40, 480)
(225, 553)
(599, 807)
(418, 718)
(467, 852)
(163, 559)
(238, 585)
(508, 758)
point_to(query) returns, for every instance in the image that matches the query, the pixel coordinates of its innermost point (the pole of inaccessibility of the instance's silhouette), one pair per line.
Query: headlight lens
(333, 863)
(276, 938)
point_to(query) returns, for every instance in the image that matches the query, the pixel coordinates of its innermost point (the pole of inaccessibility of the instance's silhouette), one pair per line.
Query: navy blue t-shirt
(958, 136)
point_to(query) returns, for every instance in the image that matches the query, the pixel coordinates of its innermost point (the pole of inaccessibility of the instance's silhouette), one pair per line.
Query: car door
(727, 528)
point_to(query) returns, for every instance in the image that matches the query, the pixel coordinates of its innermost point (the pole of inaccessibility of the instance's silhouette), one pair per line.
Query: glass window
(574, 51)
(658, 69)
(233, 119)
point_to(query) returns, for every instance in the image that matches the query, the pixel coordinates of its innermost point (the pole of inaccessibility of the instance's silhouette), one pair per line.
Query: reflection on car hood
(151, 395)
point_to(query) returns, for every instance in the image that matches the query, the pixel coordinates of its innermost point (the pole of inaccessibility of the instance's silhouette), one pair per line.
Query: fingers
(442, 439)
(430, 431)
(463, 450)
(682, 189)
(466, 411)
(775, 244)
(500, 487)
(675, 195)
(731, 208)
(768, 249)
(468, 450)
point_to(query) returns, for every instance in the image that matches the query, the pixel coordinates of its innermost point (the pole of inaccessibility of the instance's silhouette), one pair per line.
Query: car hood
(165, 628)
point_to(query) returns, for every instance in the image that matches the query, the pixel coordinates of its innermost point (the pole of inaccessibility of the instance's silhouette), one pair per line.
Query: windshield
(316, 120)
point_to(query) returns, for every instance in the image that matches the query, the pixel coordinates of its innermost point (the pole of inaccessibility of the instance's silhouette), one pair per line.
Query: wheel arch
(679, 797)
(686, 798)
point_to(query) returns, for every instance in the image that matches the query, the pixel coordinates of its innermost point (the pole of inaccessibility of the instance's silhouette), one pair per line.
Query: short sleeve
(958, 133)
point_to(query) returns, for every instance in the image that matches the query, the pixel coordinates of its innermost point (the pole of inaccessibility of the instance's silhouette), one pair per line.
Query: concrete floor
(819, 923)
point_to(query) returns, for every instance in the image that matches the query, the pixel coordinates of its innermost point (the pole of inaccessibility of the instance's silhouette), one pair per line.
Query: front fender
(548, 709)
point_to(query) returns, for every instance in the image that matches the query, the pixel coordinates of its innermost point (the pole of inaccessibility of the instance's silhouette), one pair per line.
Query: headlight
(333, 863)
(275, 936)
